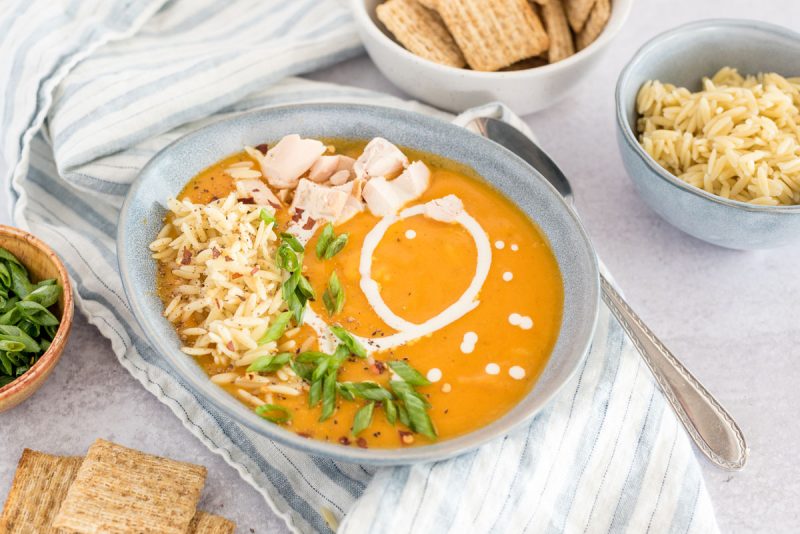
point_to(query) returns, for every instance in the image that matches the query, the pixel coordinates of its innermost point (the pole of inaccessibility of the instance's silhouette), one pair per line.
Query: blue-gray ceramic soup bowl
(682, 57)
(167, 173)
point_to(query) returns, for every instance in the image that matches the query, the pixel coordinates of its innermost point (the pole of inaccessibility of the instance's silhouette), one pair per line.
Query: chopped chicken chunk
(386, 197)
(318, 201)
(258, 191)
(340, 177)
(445, 209)
(353, 206)
(326, 167)
(287, 161)
(380, 158)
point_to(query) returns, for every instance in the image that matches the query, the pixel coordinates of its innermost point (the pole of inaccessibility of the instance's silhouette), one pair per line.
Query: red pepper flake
(406, 437)
(215, 253)
(344, 440)
(234, 276)
(263, 148)
(228, 258)
(361, 442)
(247, 201)
(187, 257)
(378, 367)
(254, 271)
(309, 224)
(274, 205)
(298, 213)
(229, 345)
(304, 435)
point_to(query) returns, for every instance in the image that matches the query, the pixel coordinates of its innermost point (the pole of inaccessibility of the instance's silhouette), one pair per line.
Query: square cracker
(578, 12)
(421, 31)
(205, 523)
(555, 20)
(594, 25)
(121, 490)
(493, 34)
(39, 486)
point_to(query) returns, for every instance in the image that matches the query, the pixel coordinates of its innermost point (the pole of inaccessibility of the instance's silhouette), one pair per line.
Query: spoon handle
(711, 427)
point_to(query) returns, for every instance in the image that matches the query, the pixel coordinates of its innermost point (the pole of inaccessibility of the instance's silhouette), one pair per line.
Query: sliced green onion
(270, 363)
(44, 295)
(363, 418)
(335, 246)
(287, 258)
(311, 356)
(333, 298)
(349, 341)
(391, 411)
(292, 241)
(419, 421)
(315, 393)
(328, 395)
(325, 238)
(36, 313)
(274, 413)
(276, 329)
(408, 373)
(268, 218)
(368, 390)
(304, 287)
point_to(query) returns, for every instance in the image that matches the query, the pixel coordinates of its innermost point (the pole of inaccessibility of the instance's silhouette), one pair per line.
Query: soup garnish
(356, 292)
(27, 326)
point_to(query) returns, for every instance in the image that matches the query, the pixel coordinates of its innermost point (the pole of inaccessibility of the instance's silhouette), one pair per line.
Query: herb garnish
(296, 289)
(349, 341)
(409, 374)
(333, 298)
(276, 329)
(363, 418)
(266, 217)
(274, 413)
(400, 402)
(270, 363)
(27, 327)
(329, 244)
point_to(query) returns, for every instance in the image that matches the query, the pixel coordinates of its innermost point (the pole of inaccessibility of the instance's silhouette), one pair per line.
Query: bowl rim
(53, 353)
(365, 21)
(626, 129)
(231, 407)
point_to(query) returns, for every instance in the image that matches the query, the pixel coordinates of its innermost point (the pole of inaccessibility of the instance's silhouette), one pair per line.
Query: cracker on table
(40, 485)
(595, 25)
(555, 20)
(421, 31)
(578, 12)
(205, 523)
(493, 34)
(121, 490)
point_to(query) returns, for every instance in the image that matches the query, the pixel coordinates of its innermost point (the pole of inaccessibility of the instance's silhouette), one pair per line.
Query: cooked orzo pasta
(226, 288)
(738, 137)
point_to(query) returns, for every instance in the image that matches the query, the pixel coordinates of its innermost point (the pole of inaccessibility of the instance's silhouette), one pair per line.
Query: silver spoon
(711, 427)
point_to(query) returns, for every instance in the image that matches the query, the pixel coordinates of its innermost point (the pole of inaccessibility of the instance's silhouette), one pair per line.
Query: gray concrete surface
(731, 316)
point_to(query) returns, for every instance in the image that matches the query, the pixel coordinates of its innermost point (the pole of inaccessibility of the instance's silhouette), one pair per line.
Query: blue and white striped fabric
(94, 88)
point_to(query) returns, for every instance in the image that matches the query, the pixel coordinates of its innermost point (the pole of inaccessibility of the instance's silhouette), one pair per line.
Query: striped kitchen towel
(94, 88)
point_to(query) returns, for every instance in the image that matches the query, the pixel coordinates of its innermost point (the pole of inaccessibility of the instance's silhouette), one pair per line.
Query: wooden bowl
(42, 263)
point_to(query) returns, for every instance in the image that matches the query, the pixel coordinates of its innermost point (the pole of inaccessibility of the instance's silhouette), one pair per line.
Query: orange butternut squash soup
(358, 293)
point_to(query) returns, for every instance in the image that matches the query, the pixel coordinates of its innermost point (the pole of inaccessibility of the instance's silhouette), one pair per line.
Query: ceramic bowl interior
(456, 89)
(168, 172)
(42, 263)
(683, 56)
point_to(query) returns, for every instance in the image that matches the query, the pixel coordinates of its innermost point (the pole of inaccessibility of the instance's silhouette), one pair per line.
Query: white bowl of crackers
(455, 54)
